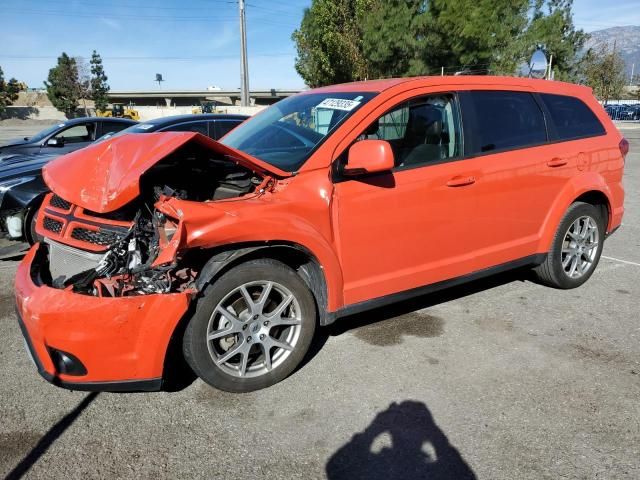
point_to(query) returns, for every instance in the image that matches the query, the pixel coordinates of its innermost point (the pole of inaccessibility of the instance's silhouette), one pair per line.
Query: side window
(77, 133)
(222, 127)
(505, 120)
(113, 127)
(571, 117)
(200, 127)
(420, 131)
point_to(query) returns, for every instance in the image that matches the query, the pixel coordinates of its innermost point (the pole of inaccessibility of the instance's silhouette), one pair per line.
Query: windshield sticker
(146, 126)
(338, 104)
(61, 124)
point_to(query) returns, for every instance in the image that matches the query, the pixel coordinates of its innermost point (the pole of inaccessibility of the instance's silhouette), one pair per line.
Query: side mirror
(56, 142)
(369, 156)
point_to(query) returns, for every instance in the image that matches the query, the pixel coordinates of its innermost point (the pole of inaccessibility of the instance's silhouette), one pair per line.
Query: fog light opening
(67, 363)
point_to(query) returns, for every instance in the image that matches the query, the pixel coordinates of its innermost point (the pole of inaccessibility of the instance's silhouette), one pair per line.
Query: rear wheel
(251, 328)
(576, 248)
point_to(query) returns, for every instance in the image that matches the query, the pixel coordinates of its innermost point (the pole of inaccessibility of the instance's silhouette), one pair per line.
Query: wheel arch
(296, 256)
(590, 189)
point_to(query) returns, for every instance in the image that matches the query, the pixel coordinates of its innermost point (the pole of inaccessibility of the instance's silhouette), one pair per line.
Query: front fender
(244, 222)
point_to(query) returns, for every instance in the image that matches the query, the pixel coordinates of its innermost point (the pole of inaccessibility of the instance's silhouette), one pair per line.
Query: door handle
(461, 181)
(556, 162)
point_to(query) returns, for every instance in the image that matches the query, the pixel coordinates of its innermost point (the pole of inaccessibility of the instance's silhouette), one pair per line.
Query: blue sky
(193, 43)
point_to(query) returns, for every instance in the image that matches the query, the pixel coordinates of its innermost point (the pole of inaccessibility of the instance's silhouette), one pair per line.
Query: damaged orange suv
(328, 203)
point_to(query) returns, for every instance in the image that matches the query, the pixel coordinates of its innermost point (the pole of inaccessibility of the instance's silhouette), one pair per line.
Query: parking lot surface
(498, 379)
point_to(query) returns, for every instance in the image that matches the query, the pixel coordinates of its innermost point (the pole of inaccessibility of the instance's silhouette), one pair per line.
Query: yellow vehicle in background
(206, 107)
(118, 110)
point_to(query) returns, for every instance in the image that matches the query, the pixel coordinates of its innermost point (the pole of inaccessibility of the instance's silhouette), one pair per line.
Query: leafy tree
(394, 38)
(344, 40)
(605, 73)
(8, 91)
(555, 30)
(329, 42)
(63, 85)
(480, 36)
(99, 85)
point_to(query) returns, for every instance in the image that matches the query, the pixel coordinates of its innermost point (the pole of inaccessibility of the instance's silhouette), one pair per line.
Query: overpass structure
(194, 97)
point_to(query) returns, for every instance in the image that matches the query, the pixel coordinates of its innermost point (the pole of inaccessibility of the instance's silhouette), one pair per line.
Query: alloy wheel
(580, 247)
(254, 328)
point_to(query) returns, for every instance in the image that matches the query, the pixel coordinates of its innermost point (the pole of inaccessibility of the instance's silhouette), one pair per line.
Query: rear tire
(576, 248)
(261, 310)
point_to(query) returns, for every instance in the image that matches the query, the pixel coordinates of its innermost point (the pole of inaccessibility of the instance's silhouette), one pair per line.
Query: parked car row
(623, 112)
(21, 185)
(330, 202)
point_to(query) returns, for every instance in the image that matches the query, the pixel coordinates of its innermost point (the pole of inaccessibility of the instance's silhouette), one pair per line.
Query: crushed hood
(105, 176)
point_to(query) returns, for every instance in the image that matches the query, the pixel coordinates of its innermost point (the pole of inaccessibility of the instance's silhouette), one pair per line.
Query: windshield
(286, 134)
(46, 132)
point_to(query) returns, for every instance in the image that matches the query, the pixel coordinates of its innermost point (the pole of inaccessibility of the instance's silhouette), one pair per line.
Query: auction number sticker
(338, 104)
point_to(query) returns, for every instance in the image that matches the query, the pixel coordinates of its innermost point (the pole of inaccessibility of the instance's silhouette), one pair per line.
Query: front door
(408, 227)
(72, 138)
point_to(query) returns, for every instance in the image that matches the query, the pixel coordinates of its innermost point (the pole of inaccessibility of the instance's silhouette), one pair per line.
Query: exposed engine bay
(118, 253)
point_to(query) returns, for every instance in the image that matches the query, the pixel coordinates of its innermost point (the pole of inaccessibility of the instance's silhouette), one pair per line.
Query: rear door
(508, 144)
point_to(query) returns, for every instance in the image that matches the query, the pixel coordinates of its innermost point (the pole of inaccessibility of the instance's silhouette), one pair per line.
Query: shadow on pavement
(396, 310)
(402, 442)
(13, 250)
(51, 436)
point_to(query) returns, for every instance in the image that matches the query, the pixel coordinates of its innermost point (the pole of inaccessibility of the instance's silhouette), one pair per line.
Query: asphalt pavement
(500, 379)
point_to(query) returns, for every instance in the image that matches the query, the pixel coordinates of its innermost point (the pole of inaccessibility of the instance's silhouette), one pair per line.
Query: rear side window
(113, 127)
(225, 126)
(200, 127)
(505, 120)
(571, 117)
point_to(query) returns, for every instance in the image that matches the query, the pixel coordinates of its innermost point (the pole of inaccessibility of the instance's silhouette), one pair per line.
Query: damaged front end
(118, 233)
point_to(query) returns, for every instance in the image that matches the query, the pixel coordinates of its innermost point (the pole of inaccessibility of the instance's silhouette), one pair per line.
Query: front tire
(251, 328)
(576, 248)
(29, 228)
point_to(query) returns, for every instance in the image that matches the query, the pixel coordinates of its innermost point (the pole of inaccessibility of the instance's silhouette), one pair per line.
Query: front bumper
(120, 342)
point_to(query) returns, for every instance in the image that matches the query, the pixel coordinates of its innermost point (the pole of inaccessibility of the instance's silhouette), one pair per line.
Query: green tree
(8, 91)
(329, 42)
(345, 40)
(99, 85)
(476, 35)
(604, 72)
(63, 85)
(394, 38)
(551, 25)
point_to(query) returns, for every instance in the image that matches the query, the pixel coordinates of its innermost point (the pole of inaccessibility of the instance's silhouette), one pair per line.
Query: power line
(191, 57)
(168, 18)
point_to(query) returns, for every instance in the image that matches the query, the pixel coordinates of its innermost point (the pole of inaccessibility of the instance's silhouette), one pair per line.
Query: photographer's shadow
(402, 442)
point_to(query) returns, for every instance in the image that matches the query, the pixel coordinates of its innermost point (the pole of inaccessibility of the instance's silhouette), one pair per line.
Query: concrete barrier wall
(146, 112)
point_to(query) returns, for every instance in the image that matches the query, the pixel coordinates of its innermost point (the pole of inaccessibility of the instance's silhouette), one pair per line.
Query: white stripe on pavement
(622, 261)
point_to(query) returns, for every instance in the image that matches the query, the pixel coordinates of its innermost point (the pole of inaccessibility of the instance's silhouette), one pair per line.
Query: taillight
(624, 147)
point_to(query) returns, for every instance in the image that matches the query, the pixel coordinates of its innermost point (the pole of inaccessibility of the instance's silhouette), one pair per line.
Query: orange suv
(330, 202)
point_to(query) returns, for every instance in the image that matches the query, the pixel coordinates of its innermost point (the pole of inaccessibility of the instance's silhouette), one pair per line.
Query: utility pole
(244, 68)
